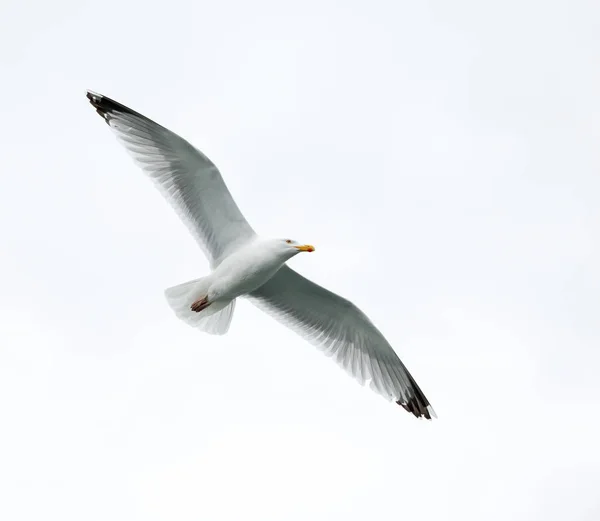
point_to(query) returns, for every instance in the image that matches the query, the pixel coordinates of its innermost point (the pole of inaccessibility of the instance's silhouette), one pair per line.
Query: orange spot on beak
(306, 247)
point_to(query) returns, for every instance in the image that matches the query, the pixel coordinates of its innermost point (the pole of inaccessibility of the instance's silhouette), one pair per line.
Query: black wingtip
(418, 409)
(98, 101)
(418, 404)
(107, 107)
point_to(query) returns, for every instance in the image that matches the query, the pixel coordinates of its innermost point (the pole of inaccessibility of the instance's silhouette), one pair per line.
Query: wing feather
(185, 176)
(342, 331)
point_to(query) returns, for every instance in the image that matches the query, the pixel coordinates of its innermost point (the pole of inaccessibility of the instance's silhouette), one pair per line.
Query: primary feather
(184, 175)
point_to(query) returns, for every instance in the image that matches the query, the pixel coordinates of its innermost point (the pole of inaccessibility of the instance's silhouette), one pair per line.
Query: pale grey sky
(443, 158)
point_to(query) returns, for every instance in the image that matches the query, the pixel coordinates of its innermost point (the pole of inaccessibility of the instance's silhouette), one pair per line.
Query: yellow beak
(306, 247)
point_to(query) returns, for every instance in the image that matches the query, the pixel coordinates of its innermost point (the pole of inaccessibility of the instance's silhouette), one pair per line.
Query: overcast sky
(443, 159)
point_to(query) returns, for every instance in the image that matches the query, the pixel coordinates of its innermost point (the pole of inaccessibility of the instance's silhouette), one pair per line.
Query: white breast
(244, 271)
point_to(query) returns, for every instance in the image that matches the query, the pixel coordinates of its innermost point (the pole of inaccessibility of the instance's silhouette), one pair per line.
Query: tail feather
(181, 291)
(214, 319)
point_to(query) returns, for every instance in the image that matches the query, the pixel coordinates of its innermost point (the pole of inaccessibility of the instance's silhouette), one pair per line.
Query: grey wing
(184, 175)
(343, 332)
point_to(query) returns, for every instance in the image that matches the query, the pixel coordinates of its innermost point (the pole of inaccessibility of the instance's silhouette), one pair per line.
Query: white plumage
(244, 264)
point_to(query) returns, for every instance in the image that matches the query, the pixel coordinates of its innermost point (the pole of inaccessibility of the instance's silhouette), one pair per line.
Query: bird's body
(247, 265)
(248, 268)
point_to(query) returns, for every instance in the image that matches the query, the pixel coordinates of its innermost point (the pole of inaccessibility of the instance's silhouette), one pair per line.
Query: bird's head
(290, 247)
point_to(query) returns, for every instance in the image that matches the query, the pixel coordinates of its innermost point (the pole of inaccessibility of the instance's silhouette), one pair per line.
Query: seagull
(244, 264)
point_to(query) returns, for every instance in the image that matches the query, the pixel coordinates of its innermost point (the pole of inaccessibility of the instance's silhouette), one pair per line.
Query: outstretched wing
(343, 332)
(184, 175)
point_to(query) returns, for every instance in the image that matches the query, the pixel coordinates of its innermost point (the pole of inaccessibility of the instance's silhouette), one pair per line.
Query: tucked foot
(200, 304)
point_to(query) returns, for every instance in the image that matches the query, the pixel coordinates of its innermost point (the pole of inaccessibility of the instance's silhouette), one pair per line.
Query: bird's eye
(289, 241)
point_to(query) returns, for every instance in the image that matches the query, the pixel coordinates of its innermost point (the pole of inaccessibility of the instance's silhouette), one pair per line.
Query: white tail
(215, 319)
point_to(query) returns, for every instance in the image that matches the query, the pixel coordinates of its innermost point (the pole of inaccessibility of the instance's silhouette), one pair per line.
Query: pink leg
(200, 304)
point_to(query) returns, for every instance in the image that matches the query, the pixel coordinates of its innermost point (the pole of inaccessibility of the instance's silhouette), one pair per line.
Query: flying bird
(244, 264)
